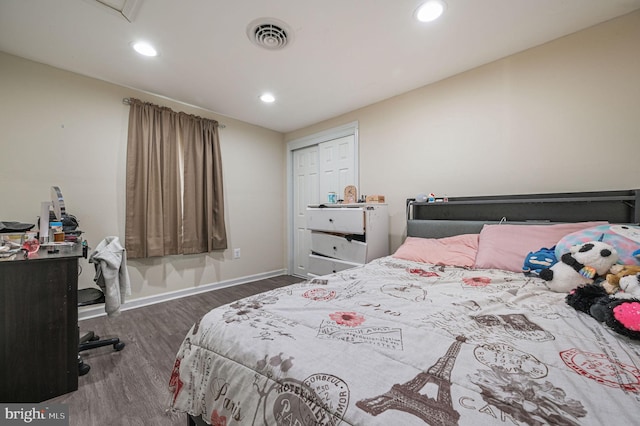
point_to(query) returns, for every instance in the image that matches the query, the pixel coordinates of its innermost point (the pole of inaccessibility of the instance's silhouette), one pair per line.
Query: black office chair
(89, 340)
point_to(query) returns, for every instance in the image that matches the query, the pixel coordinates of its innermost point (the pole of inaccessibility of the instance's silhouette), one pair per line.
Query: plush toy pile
(597, 286)
(621, 314)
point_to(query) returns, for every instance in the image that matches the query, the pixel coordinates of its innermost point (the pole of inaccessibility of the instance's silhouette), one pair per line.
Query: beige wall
(564, 116)
(59, 128)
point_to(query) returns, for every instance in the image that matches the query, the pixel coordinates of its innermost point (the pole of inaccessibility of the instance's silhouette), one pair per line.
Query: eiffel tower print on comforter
(403, 343)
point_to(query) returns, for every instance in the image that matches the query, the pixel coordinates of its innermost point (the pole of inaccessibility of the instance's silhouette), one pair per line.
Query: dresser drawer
(347, 220)
(319, 265)
(339, 247)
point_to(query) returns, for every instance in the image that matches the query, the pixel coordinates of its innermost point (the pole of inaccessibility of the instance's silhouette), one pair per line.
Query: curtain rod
(127, 101)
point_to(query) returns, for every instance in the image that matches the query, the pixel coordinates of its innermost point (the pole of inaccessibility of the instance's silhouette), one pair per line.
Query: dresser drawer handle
(331, 220)
(335, 248)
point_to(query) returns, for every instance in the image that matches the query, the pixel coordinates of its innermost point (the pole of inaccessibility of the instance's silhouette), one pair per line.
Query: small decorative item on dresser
(375, 199)
(350, 194)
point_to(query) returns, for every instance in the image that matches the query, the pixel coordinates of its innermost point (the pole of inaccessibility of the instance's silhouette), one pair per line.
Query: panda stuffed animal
(580, 266)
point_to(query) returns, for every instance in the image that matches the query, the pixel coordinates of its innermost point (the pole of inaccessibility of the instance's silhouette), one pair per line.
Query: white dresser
(344, 236)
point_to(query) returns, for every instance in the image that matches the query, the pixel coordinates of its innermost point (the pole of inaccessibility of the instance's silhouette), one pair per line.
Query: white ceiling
(344, 54)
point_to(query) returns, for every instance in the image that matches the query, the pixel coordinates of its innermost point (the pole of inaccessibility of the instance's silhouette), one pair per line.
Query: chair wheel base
(83, 368)
(93, 343)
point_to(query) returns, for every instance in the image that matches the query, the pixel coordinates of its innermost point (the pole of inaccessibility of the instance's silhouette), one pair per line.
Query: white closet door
(305, 191)
(337, 166)
(322, 163)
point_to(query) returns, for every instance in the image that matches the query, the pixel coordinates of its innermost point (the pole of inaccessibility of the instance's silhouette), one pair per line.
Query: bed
(406, 340)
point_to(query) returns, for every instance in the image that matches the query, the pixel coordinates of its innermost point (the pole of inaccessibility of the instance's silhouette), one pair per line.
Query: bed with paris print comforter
(398, 342)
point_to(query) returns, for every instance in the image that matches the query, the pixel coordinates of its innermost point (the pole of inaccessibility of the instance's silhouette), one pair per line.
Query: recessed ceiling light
(430, 10)
(145, 49)
(267, 98)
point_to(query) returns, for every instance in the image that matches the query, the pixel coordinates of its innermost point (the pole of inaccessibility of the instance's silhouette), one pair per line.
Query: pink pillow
(459, 250)
(506, 246)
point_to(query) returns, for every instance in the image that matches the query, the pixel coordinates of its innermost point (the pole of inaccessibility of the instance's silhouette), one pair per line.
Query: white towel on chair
(110, 259)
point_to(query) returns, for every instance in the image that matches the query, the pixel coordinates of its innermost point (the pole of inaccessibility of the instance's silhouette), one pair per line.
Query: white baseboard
(98, 310)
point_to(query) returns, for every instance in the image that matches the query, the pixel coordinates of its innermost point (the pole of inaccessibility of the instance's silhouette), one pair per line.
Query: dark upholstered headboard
(467, 215)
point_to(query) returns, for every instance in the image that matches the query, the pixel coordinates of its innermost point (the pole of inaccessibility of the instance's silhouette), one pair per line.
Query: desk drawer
(339, 247)
(319, 265)
(347, 220)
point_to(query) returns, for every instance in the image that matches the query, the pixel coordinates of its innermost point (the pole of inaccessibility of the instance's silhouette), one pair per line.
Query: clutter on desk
(13, 236)
(11, 246)
(8, 227)
(31, 242)
(56, 225)
(56, 228)
(63, 232)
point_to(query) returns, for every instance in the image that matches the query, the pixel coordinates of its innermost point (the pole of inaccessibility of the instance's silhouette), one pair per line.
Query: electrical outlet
(236, 253)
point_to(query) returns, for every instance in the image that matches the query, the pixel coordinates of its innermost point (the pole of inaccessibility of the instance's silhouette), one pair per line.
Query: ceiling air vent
(127, 9)
(269, 33)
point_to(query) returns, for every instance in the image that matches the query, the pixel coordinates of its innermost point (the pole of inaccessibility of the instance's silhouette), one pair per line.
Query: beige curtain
(203, 212)
(161, 218)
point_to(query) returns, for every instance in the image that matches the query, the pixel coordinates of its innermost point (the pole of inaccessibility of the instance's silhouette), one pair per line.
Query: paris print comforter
(403, 343)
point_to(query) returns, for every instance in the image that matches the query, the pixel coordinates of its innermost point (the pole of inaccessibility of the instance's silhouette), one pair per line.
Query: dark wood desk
(39, 326)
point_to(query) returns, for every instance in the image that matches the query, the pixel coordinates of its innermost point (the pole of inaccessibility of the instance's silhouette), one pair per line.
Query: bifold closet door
(306, 185)
(317, 170)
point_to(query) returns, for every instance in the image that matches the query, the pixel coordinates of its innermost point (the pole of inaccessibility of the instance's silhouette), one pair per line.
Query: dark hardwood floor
(130, 387)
